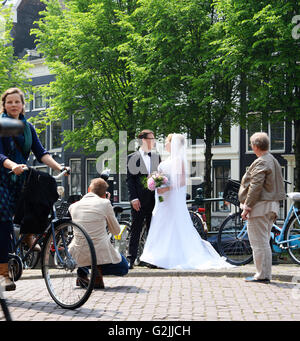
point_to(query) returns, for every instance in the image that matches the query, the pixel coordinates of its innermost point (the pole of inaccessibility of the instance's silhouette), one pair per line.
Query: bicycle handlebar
(56, 177)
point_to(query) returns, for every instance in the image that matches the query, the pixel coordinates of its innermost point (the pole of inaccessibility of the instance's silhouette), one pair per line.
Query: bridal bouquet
(157, 180)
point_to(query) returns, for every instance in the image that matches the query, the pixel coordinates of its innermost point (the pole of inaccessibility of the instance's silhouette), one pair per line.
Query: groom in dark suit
(140, 164)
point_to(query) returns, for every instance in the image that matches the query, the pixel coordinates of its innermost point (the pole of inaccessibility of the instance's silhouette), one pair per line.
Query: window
(123, 187)
(56, 138)
(75, 176)
(221, 169)
(196, 177)
(41, 131)
(197, 169)
(275, 131)
(78, 120)
(223, 136)
(39, 101)
(277, 136)
(91, 171)
(27, 101)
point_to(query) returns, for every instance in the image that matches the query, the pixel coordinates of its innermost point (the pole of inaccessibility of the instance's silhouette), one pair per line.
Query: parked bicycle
(121, 241)
(233, 242)
(58, 265)
(198, 217)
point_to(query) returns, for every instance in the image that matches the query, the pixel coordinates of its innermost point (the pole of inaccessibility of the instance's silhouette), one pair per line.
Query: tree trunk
(207, 174)
(243, 98)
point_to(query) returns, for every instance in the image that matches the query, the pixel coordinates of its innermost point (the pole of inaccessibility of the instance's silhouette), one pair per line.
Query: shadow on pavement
(130, 289)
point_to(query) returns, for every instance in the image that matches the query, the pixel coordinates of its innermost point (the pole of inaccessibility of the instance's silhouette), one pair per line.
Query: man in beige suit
(95, 212)
(261, 189)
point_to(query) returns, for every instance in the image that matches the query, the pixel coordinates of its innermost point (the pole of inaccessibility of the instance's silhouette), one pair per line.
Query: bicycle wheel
(15, 267)
(59, 268)
(292, 233)
(198, 224)
(232, 242)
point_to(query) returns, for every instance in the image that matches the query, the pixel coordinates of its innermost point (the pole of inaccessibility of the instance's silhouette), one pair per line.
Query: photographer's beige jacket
(95, 214)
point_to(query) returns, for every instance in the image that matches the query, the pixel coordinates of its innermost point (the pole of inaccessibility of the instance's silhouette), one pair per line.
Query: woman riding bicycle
(14, 153)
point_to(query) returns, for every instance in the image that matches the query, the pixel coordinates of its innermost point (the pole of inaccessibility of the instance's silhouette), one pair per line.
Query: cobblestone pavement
(165, 295)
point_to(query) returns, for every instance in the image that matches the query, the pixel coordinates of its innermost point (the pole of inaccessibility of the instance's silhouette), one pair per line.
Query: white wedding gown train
(172, 241)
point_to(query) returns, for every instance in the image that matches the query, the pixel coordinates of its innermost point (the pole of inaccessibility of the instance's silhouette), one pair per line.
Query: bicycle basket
(231, 192)
(62, 210)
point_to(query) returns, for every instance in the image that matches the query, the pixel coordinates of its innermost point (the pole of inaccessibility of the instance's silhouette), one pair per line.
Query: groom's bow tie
(149, 154)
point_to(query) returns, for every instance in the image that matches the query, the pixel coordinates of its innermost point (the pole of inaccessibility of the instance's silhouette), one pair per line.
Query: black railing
(200, 200)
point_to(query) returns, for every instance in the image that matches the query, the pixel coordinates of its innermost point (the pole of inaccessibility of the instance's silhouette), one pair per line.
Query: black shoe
(130, 264)
(253, 279)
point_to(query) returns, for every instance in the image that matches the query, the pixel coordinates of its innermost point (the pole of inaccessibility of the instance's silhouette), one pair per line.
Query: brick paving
(166, 295)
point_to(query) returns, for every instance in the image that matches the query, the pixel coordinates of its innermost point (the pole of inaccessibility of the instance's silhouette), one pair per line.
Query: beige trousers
(259, 229)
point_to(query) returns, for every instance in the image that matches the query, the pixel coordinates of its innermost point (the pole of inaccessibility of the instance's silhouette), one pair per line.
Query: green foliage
(263, 58)
(177, 79)
(12, 70)
(80, 43)
(262, 54)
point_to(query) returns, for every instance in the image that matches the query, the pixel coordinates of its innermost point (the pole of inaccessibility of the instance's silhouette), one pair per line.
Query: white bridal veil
(178, 162)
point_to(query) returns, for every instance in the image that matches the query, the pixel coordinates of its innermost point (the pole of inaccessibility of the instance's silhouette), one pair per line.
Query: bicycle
(3, 304)
(58, 243)
(198, 218)
(121, 241)
(32, 259)
(233, 242)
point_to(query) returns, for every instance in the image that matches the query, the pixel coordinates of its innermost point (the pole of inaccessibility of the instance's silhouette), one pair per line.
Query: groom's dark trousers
(138, 218)
(136, 173)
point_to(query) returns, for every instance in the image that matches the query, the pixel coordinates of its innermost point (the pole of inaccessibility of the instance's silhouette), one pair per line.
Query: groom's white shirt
(147, 161)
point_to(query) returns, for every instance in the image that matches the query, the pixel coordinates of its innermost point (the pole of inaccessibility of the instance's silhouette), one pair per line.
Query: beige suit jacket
(262, 182)
(95, 214)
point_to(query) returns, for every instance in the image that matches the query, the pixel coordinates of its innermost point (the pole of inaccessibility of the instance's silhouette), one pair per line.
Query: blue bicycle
(233, 242)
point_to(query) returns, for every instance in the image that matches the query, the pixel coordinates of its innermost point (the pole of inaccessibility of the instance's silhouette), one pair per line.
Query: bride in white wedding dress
(172, 241)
